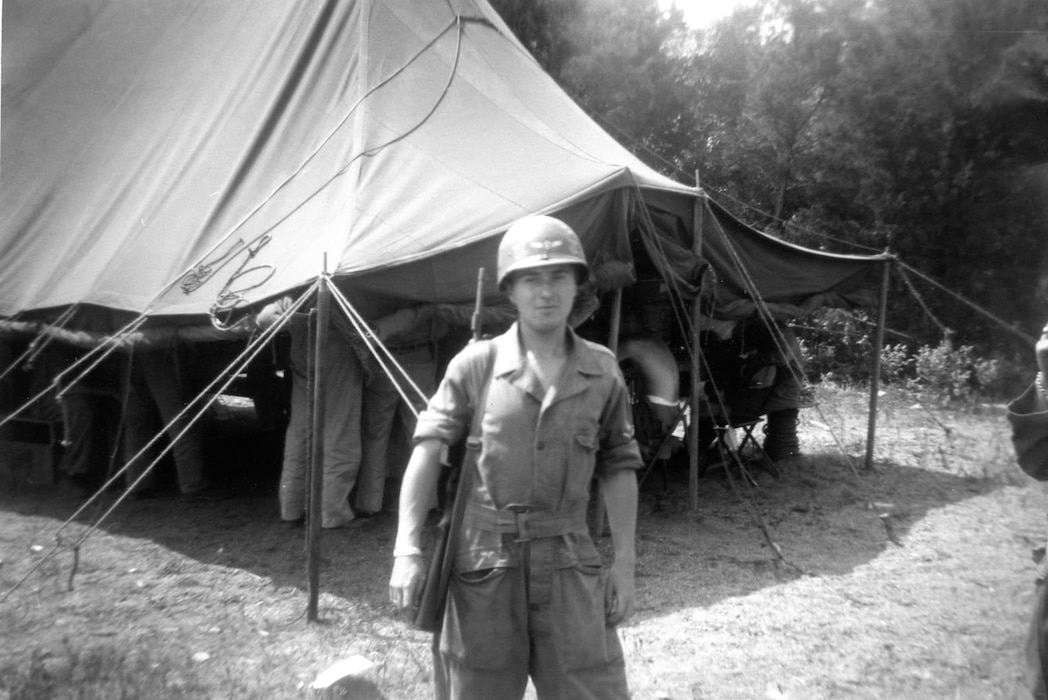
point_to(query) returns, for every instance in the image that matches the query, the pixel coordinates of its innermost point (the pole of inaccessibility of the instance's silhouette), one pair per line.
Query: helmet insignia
(545, 247)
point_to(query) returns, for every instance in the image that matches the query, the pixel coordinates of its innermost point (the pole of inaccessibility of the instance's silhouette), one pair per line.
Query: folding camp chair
(748, 448)
(727, 444)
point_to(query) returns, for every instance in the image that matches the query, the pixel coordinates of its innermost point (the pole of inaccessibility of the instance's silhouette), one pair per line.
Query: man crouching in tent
(1028, 415)
(529, 595)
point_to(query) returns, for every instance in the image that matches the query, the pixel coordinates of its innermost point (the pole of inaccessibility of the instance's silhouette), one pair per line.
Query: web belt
(527, 522)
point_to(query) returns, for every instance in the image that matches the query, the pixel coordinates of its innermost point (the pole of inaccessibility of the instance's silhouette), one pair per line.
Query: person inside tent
(757, 370)
(771, 384)
(411, 335)
(155, 394)
(343, 381)
(88, 408)
(1028, 416)
(529, 595)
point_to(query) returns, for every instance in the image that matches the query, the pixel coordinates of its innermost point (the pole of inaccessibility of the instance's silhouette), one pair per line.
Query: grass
(207, 601)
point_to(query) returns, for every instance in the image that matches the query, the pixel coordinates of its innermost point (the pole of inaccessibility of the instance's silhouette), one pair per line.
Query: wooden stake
(696, 406)
(875, 378)
(696, 358)
(316, 461)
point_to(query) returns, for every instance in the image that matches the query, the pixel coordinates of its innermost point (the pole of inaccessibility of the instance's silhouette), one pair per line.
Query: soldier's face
(544, 296)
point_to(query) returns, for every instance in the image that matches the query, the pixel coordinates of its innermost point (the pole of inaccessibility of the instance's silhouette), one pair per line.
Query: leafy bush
(949, 373)
(896, 362)
(838, 345)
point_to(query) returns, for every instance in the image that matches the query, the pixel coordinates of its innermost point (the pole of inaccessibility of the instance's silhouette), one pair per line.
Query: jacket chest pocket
(581, 457)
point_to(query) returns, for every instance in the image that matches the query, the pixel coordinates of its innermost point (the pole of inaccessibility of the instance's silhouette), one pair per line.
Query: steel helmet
(540, 241)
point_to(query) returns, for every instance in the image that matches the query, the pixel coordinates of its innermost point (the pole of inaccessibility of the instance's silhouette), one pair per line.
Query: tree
(862, 122)
(851, 125)
(766, 80)
(542, 26)
(625, 73)
(621, 62)
(944, 193)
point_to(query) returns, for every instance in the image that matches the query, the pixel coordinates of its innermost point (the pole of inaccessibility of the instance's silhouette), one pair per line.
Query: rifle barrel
(475, 323)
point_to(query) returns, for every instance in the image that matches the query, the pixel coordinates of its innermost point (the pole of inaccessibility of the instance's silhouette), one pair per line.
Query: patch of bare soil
(911, 581)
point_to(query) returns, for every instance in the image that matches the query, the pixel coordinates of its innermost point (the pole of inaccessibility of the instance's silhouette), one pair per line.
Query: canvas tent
(183, 160)
(181, 163)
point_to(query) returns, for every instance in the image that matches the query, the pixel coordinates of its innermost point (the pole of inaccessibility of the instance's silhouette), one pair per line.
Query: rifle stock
(430, 614)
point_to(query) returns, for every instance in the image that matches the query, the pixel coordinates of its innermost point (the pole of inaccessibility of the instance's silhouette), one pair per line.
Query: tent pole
(696, 404)
(699, 221)
(696, 359)
(875, 378)
(310, 372)
(613, 344)
(316, 461)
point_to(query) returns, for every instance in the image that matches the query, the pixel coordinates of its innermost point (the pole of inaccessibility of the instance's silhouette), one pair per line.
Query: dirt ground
(912, 581)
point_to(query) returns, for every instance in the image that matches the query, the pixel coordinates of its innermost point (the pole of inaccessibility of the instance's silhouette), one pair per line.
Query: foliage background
(844, 125)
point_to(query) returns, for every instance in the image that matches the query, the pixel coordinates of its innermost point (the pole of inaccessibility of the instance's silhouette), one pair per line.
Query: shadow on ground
(824, 517)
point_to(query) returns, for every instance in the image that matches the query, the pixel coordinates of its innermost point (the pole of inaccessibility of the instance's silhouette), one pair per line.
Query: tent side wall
(601, 221)
(748, 267)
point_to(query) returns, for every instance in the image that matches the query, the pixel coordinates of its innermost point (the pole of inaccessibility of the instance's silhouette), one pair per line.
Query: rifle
(430, 614)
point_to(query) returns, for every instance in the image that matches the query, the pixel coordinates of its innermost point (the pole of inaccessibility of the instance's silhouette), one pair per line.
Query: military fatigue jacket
(540, 449)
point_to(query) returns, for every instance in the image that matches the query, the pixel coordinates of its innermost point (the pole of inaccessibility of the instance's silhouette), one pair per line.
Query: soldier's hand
(405, 583)
(619, 594)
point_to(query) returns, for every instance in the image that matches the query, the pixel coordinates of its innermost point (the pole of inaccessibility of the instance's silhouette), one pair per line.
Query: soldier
(1028, 416)
(342, 447)
(530, 595)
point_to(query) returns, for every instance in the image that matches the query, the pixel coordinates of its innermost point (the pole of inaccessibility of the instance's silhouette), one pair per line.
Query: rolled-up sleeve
(618, 447)
(447, 413)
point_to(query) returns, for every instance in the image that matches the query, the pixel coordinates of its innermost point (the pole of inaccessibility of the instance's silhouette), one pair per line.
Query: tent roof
(183, 158)
(232, 150)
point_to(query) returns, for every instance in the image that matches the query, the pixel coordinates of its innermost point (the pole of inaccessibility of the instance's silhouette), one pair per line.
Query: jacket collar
(510, 358)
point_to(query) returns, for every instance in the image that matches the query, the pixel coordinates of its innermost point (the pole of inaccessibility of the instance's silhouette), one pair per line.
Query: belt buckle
(520, 511)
